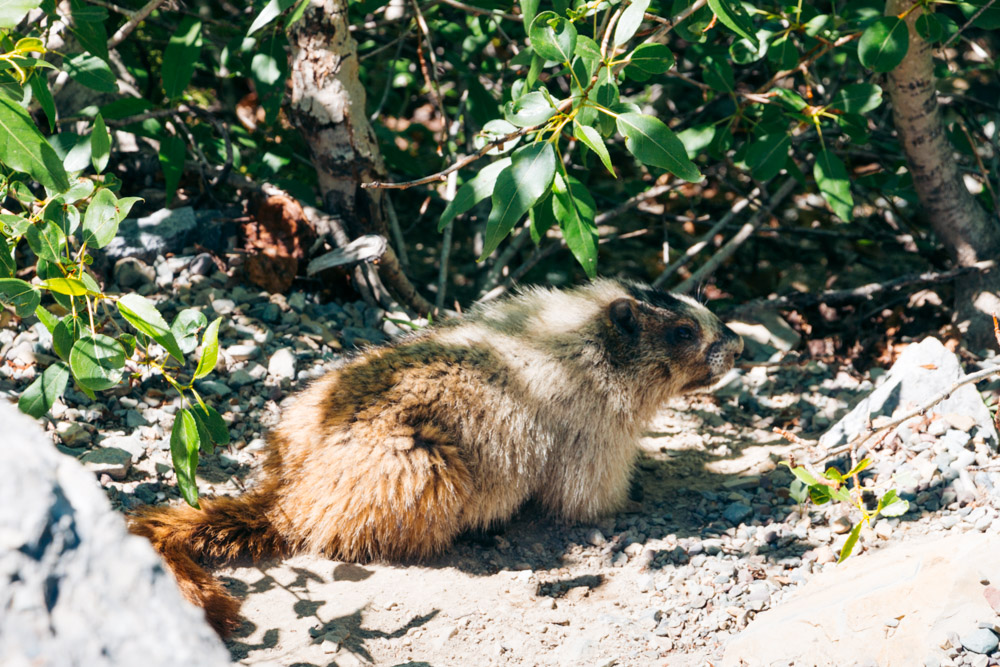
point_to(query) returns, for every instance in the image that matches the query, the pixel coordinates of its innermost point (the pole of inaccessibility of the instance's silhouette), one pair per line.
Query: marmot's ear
(623, 316)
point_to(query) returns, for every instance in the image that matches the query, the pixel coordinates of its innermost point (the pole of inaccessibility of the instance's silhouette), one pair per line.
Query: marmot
(541, 395)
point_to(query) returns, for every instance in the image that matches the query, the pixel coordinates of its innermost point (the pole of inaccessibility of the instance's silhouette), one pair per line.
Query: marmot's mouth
(704, 381)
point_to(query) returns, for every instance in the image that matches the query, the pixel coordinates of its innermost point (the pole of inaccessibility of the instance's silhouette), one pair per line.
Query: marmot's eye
(684, 333)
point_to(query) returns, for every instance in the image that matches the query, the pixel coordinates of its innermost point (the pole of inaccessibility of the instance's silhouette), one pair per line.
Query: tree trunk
(967, 231)
(328, 107)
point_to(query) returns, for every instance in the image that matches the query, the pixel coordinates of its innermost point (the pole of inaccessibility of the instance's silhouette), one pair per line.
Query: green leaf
(767, 155)
(46, 240)
(852, 539)
(790, 99)
(209, 350)
(528, 10)
(985, 20)
(798, 491)
(629, 21)
(100, 144)
(802, 474)
(861, 466)
(820, 494)
(833, 181)
(884, 43)
(834, 474)
(266, 68)
(588, 50)
(173, 150)
(841, 494)
(89, 29)
(7, 265)
(12, 11)
(531, 109)
(858, 98)
(783, 53)
(929, 27)
(653, 143)
(92, 72)
(697, 138)
(68, 286)
(40, 91)
(743, 52)
(48, 320)
(97, 361)
(542, 218)
(606, 95)
(100, 222)
(42, 394)
(181, 56)
(185, 328)
(24, 149)
(718, 74)
(271, 11)
(734, 17)
(591, 138)
(574, 208)
(214, 424)
(80, 188)
(495, 130)
(893, 506)
(142, 314)
(648, 60)
(19, 294)
(65, 217)
(473, 191)
(184, 444)
(517, 189)
(553, 37)
(64, 336)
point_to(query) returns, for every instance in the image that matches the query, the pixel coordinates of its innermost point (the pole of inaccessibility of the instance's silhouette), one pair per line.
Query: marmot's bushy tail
(223, 529)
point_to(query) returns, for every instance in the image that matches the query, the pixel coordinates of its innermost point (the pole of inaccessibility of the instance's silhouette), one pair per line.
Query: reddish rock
(992, 595)
(276, 239)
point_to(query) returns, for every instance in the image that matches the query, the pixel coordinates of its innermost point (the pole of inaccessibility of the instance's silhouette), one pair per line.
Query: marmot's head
(670, 340)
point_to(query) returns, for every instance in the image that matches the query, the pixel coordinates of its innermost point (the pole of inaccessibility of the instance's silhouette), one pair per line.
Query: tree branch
(871, 431)
(133, 23)
(730, 246)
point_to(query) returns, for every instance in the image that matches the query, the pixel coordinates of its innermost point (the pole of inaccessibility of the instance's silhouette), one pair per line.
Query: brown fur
(542, 395)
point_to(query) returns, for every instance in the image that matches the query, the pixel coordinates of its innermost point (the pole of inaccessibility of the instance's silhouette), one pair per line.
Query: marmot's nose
(732, 341)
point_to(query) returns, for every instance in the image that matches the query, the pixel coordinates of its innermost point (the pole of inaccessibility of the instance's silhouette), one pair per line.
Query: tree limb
(730, 246)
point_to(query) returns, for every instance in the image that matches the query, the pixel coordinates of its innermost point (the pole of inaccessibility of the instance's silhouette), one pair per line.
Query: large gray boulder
(75, 587)
(921, 372)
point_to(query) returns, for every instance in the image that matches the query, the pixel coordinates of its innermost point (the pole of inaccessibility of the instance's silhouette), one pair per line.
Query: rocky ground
(710, 540)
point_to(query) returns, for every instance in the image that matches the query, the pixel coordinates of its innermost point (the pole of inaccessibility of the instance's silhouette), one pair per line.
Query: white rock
(282, 364)
(243, 351)
(841, 612)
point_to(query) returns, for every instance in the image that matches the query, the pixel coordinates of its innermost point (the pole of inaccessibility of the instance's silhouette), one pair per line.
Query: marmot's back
(539, 395)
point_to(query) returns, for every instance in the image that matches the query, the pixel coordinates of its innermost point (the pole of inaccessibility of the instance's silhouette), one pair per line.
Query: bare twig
(697, 247)
(864, 292)
(449, 195)
(666, 27)
(632, 202)
(479, 10)
(982, 168)
(133, 22)
(430, 77)
(972, 18)
(872, 430)
(513, 247)
(442, 175)
(397, 233)
(730, 246)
